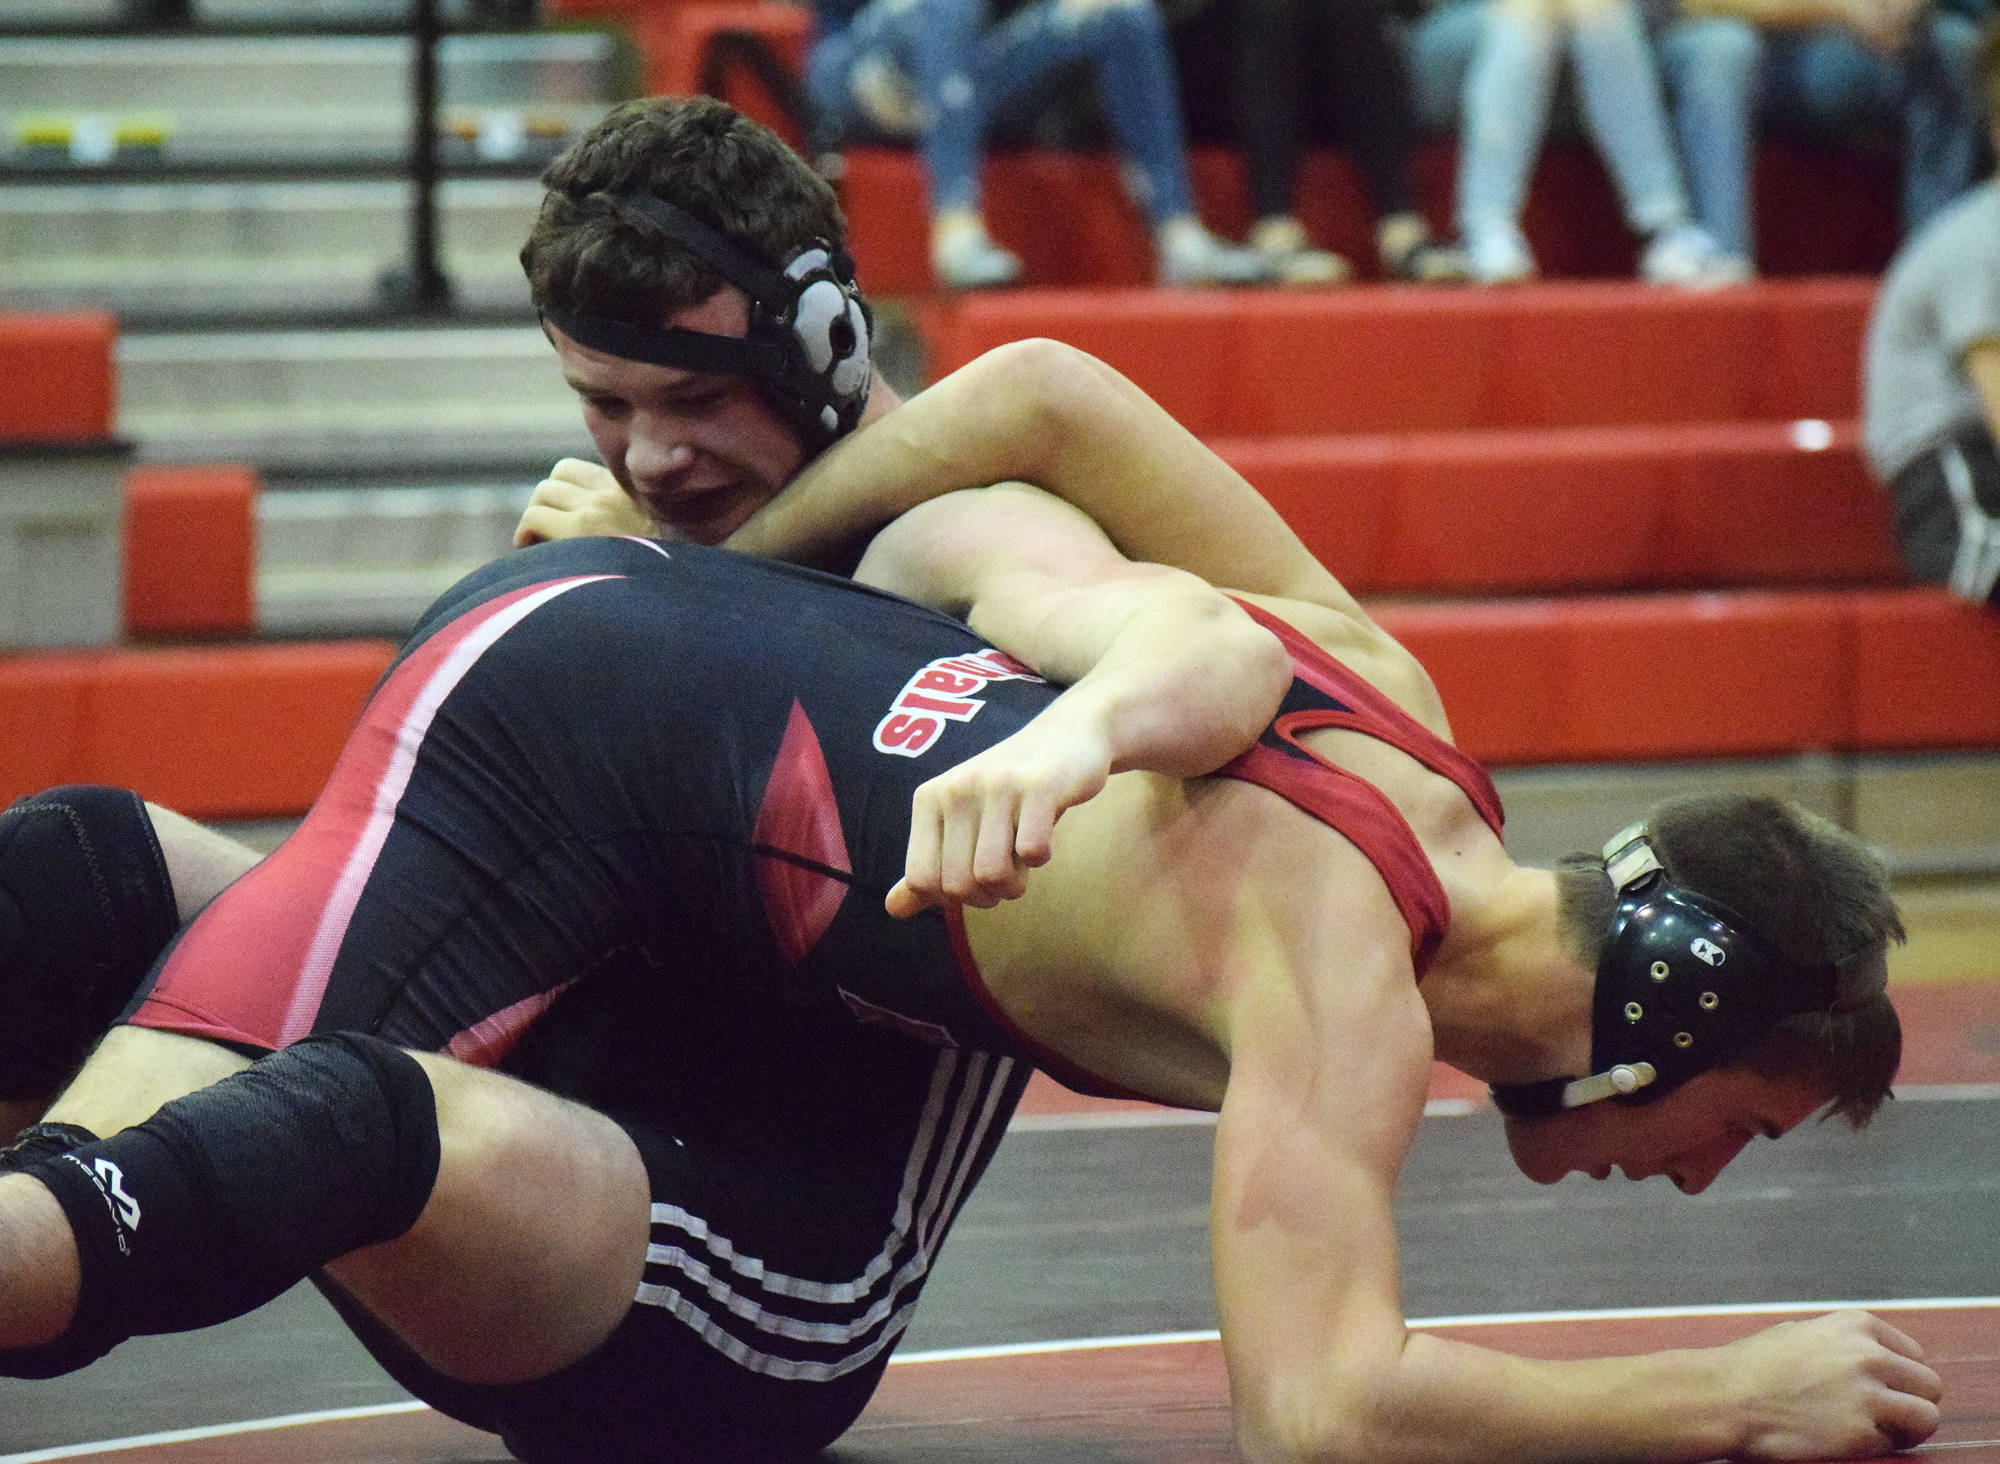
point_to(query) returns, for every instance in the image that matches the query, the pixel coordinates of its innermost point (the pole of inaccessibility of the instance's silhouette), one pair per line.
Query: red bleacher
(1385, 359)
(241, 730)
(61, 378)
(191, 550)
(1820, 211)
(1562, 439)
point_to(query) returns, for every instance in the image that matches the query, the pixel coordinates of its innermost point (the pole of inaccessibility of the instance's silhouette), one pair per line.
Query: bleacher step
(474, 396)
(369, 559)
(326, 98)
(184, 248)
(1390, 359)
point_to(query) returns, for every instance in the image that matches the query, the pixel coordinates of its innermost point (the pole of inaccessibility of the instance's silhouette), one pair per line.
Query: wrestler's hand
(977, 830)
(1843, 1386)
(580, 500)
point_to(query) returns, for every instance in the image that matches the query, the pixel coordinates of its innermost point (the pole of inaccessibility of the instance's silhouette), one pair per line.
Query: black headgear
(807, 346)
(1683, 984)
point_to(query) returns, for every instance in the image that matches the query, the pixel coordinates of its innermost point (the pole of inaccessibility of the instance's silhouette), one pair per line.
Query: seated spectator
(1508, 89)
(1369, 83)
(1931, 384)
(933, 72)
(1839, 68)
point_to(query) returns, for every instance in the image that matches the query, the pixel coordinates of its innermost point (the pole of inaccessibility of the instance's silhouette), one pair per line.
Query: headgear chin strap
(1682, 985)
(807, 345)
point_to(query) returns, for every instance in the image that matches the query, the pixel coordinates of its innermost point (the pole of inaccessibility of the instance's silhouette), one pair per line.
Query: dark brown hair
(1810, 889)
(585, 253)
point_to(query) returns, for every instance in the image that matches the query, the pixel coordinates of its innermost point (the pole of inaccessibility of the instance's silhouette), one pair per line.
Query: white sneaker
(1190, 255)
(1497, 254)
(1291, 257)
(1685, 256)
(968, 259)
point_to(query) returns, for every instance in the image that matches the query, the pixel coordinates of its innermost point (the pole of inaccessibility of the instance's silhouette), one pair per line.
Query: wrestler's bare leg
(200, 862)
(526, 1256)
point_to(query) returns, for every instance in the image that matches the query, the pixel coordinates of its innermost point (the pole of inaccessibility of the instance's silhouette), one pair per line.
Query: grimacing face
(1689, 1135)
(700, 452)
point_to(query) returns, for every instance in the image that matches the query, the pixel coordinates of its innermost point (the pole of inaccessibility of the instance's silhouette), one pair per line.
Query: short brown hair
(1812, 890)
(587, 254)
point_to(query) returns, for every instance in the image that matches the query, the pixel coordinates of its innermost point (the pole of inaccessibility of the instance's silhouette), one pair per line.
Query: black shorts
(1948, 514)
(773, 1293)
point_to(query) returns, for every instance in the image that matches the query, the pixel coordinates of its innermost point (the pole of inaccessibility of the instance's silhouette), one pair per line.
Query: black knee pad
(86, 907)
(227, 1197)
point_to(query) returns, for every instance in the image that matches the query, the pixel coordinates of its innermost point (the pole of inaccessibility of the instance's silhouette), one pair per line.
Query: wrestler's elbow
(1319, 1431)
(1338, 1409)
(1052, 392)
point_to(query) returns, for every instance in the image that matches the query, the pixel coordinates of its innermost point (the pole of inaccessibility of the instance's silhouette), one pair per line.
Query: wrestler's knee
(229, 1196)
(86, 906)
(532, 1245)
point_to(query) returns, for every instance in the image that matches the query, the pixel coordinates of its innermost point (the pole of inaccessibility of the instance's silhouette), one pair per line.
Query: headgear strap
(807, 345)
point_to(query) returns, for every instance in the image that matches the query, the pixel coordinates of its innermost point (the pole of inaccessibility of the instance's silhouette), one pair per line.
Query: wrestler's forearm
(1179, 686)
(1451, 1402)
(1044, 413)
(1842, 1386)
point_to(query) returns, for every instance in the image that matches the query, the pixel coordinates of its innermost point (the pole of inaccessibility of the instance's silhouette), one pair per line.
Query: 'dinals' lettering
(944, 691)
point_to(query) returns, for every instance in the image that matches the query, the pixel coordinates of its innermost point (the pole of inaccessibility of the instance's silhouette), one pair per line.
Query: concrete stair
(185, 249)
(307, 100)
(340, 399)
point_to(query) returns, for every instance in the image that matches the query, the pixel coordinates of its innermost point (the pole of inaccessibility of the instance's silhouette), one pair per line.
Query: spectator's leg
(1620, 91)
(1440, 47)
(1507, 91)
(1941, 117)
(1371, 80)
(1125, 42)
(1712, 67)
(1265, 75)
(903, 69)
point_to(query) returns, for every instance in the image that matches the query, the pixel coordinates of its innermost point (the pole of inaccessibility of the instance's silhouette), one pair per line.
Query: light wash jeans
(951, 73)
(1727, 76)
(1508, 91)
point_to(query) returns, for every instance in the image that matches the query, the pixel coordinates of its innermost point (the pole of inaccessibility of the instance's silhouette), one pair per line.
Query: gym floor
(1069, 1321)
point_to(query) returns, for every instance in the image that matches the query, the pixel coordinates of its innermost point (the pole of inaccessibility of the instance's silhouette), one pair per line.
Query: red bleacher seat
(60, 373)
(674, 39)
(1564, 509)
(233, 731)
(1658, 677)
(191, 550)
(1386, 359)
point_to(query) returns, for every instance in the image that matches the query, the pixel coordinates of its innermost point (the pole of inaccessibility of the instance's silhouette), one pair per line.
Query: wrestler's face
(1689, 1135)
(700, 453)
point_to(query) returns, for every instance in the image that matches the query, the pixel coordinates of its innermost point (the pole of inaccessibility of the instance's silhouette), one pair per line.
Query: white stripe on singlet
(340, 905)
(949, 1158)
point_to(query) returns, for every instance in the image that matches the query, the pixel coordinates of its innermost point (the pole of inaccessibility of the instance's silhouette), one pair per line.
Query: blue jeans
(1727, 76)
(1441, 45)
(957, 72)
(1508, 92)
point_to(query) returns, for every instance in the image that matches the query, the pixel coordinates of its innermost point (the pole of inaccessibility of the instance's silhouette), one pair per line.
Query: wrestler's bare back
(1129, 952)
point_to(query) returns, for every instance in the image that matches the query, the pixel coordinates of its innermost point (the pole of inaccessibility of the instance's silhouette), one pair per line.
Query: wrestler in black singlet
(620, 821)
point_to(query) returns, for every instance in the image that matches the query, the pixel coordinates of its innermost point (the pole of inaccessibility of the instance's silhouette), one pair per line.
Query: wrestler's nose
(656, 454)
(1696, 1171)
